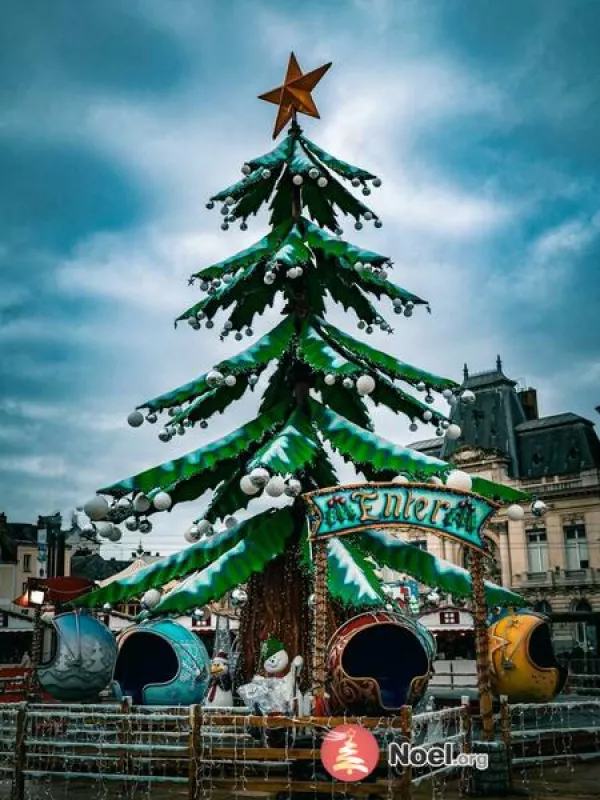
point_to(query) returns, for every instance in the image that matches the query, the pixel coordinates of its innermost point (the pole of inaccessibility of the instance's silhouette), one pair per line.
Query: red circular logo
(349, 753)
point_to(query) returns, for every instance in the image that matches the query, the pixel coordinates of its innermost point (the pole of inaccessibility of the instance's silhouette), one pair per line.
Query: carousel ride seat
(379, 662)
(523, 664)
(83, 660)
(162, 663)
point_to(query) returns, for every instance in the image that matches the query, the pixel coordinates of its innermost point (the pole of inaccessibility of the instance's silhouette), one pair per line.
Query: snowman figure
(277, 690)
(219, 693)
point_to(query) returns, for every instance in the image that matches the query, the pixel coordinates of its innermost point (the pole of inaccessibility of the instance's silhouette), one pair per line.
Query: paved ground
(582, 782)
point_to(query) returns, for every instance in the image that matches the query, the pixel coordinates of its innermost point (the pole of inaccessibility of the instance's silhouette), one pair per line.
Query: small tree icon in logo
(349, 753)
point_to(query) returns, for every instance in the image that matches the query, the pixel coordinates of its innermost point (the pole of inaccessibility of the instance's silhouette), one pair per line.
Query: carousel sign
(347, 509)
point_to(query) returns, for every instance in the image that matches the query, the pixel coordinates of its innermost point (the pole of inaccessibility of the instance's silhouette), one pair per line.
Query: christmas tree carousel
(318, 635)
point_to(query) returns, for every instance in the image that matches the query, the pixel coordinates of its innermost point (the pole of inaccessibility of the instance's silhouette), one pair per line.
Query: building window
(537, 549)
(543, 607)
(576, 547)
(27, 563)
(585, 631)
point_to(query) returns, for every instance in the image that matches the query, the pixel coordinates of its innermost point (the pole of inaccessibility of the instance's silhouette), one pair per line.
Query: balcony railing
(558, 577)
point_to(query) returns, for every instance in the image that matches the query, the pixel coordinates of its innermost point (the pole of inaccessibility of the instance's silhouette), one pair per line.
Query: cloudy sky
(119, 119)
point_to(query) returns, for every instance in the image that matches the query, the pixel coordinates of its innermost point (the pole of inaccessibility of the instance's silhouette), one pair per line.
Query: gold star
(294, 95)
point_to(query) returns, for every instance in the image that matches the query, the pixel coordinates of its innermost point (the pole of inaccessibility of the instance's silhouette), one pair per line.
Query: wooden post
(406, 728)
(36, 653)
(320, 626)
(505, 728)
(18, 781)
(482, 646)
(124, 736)
(194, 751)
(467, 729)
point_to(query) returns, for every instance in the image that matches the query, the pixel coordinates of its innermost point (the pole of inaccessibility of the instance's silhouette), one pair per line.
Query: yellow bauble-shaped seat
(522, 662)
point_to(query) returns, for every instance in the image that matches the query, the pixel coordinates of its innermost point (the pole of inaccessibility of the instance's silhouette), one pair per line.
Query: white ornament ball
(135, 419)
(294, 487)
(162, 501)
(313, 173)
(365, 384)
(329, 379)
(427, 416)
(515, 513)
(269, 278)
(453, 431)
(141, 504)
(467, 397)
(421, 386)
(214, 378)
(124, 503)
(400, 479)
(96, 508)
(205, 528)
(447, 394)
(230, 380)
(260, 476)
(266, 174)
(246, 169)
(276, 486)
(459, 480)
(248, 486)
(151, 598)
(191, 535)
(131, 524)
(322, 182)
(230, 522)
(347, 383)
(297, 180)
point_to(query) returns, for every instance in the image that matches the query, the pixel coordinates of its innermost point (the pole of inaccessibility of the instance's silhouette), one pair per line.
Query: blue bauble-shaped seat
(83, 661)
(162, 663)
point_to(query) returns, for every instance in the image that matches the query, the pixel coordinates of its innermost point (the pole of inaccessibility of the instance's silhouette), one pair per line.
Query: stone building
(554, 561)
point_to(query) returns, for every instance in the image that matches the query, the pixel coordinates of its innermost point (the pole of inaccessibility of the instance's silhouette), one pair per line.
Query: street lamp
(36, 596)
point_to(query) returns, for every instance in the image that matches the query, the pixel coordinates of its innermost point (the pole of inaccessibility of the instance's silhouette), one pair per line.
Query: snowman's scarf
(218, 681)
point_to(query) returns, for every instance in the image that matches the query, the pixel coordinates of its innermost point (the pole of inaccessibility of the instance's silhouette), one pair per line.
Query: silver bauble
(260, 476)
(145, 526)
(239, 597)
(135, 419)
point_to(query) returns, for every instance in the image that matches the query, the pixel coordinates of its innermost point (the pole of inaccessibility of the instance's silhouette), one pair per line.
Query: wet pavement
(550, 782)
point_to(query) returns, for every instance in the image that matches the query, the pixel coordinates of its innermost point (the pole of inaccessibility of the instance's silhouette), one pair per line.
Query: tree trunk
(278, 604)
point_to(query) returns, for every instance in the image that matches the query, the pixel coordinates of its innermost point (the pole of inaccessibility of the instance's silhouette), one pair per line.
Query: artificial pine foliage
(300, 267)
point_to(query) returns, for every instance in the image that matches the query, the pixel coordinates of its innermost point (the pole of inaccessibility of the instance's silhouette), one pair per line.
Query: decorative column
(482, 646)
(320, 613)
(505, 559)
